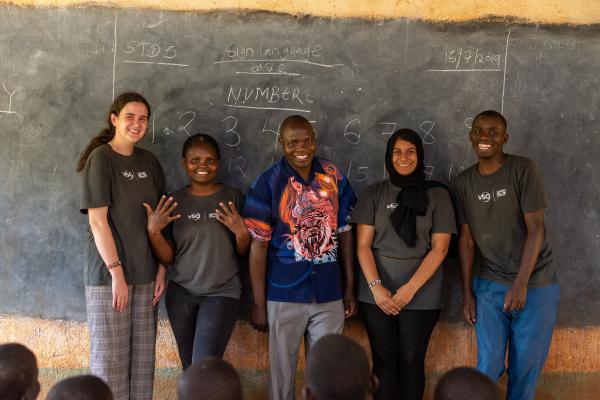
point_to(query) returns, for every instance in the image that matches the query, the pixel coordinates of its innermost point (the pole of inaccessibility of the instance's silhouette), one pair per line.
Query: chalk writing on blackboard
(426, 127)
(151, 53)
(231, 133)
(389, 128)
(350, 134)
(242, 52)
(357, 174)
(429, 171)
(273, 60)
(269, 98)
(187, 118)
(236, 162)
(452, 173)
(469, 59)
(6, 98)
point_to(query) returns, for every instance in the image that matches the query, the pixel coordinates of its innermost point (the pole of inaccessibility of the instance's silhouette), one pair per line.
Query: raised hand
(159, 218)
(229, 216)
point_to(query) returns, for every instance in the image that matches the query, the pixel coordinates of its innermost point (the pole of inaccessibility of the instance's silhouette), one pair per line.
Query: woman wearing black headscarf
(404, 225)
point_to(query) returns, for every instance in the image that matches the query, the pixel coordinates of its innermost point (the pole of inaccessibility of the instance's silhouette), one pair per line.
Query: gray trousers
(123, 344)
(288, 324)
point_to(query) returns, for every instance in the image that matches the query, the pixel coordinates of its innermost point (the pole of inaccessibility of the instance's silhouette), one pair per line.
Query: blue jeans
(527, 334)
(202, 325)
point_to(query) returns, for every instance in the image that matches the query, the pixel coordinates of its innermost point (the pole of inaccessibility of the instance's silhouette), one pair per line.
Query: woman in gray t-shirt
(201, 244)
(123, 281)
(404, 225)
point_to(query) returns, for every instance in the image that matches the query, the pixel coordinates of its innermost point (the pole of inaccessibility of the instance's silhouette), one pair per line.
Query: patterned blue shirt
(301, 220)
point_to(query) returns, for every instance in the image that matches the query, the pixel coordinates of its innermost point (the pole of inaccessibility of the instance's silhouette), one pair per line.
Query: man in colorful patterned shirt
(297, 212)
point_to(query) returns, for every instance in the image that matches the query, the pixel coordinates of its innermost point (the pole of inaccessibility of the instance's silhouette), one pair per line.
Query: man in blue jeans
(514, 296)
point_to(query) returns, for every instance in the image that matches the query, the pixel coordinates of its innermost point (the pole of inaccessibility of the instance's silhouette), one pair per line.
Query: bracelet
(374, 283)
(113, 265)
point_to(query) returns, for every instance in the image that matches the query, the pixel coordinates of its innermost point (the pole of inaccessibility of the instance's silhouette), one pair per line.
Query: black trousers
(398, 347)
(202, 325)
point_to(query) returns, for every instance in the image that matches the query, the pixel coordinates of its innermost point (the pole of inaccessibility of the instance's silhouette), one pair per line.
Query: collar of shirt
(316, 167)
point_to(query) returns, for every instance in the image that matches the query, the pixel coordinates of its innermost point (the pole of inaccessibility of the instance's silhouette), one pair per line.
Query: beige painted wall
(534, 11)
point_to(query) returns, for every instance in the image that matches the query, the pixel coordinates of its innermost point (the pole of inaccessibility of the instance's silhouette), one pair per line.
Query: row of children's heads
(336, 368)
(129, 114)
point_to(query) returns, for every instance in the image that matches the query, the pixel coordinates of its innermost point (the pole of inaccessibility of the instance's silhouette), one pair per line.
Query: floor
(552, 386)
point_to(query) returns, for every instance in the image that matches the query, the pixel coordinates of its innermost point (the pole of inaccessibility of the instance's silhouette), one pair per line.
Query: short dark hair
(293, 120)
(83, 387)
(337, 368)
(212, 378)
(18, 372)
(199, 138)
(492, 114)
(465, 383)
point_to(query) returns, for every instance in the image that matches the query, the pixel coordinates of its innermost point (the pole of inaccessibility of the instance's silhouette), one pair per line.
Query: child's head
(337, 368)
(84, 387)
(18, 373)
(465, 383)
(211, 378)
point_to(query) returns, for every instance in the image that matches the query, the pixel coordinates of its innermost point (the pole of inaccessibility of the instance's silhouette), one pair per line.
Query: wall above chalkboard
(529, 11)
(237, 76)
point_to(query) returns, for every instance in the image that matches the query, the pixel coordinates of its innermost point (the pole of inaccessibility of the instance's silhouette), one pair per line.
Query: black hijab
(412, 199)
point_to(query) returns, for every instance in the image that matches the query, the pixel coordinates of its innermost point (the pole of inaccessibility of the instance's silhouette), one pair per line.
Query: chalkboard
(236, 76)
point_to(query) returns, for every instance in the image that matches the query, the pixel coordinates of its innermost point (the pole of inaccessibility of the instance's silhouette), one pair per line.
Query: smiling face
(131, 123)
(488, 136)
(404, 157)
(299, 146)
(201, 164)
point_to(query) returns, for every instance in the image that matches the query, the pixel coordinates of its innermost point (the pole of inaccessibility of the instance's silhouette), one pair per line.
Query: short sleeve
(443, 219)
(258, 210)
(532, 196)
(364, 212)
(95, 176)
(346, 202)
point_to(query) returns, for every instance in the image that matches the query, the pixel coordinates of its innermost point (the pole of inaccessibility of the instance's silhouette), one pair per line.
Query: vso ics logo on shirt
(131, 175)
(485, 197)
(200, 216)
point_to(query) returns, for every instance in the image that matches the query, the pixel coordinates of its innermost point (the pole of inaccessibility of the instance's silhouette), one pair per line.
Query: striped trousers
(123, 344)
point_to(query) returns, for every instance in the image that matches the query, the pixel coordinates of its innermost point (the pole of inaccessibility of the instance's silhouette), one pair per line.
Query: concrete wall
(60, 344)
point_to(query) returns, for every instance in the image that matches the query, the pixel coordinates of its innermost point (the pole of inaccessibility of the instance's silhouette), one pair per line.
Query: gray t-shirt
(122, 183)
(396, 262)
(493, 207)
(205, 262)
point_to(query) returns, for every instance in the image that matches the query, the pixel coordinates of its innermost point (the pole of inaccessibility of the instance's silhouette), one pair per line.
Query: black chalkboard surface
(236, 76)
